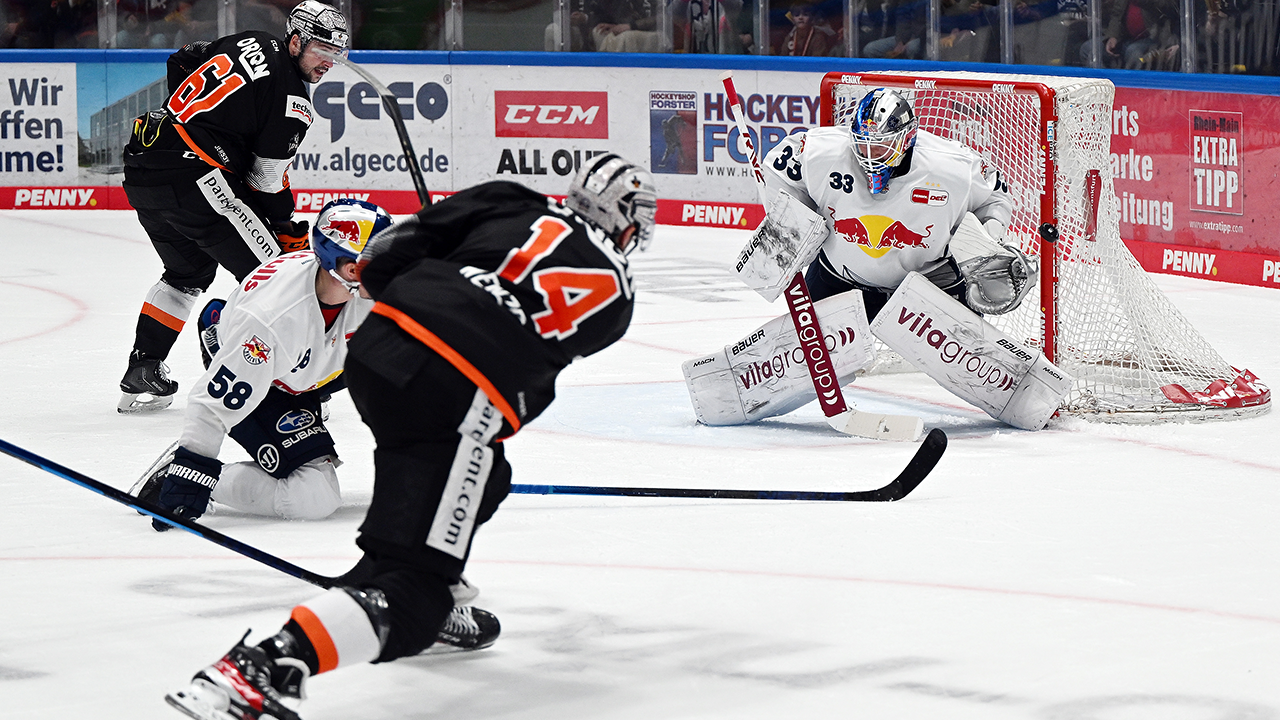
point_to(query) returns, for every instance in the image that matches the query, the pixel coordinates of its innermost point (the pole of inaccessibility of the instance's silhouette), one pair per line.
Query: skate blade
(136, 403)
(198, 702)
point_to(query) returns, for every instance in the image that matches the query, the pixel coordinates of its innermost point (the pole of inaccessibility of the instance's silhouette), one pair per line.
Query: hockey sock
(164, 311)
(339, 630)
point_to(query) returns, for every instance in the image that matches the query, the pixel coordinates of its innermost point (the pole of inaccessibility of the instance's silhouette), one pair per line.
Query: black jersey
(237, 103)
(515, 284)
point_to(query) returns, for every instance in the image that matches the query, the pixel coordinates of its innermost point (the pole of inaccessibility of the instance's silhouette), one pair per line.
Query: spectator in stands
(1143, 34)
(809, 35)
(907, 19)
(622, 25)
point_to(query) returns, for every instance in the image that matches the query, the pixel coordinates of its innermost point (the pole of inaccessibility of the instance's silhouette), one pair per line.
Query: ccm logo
(924, 196)
(564, 114)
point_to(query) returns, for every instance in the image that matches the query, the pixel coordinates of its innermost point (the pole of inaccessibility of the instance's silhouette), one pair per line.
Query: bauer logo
(673, 132)
(294, 421)
(541, 114)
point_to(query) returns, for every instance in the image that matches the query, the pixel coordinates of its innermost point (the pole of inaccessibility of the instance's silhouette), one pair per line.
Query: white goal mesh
(1134, 357)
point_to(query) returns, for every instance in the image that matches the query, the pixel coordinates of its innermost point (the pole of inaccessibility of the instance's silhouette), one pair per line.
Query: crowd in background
(1220, 36)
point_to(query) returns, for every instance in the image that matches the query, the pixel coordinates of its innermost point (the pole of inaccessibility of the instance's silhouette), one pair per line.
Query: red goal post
(1135, 358)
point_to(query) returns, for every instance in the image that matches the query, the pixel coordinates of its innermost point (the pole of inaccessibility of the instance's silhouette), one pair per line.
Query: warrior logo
(876, 234)
(256, 352)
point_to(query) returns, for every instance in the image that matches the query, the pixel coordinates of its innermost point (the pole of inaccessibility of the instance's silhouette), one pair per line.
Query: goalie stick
(926, 457)
(392, 105)
(840, 416)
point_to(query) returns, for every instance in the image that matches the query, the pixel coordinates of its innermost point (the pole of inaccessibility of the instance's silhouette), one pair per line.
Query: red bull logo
(256, 352)
(347, 226)
(877, 234)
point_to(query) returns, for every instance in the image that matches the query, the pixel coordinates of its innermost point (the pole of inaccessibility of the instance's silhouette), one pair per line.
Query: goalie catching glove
(181, 486)
(996, 276)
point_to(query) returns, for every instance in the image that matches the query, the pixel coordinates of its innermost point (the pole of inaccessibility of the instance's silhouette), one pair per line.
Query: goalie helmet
(615, 195)
(343, 229)
(313, 20)
(884, 129)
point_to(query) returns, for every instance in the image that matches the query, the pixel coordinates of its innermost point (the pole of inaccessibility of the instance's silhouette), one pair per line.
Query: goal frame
(1145, 377)
(1048, 221)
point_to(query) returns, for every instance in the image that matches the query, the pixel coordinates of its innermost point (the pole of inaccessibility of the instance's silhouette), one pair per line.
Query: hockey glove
(187, 485)
(292, 236)
(996, 284)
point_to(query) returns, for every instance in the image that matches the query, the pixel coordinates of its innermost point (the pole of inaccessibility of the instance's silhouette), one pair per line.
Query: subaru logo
(295, 420)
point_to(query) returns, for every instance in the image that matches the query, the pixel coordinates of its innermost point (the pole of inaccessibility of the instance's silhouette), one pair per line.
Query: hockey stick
(926, 457)
(392, 105)
(146, 508)
(840, 416)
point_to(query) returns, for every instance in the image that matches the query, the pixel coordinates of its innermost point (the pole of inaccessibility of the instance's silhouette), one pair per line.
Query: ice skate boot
(146, 385)
(469, 628)
(238, 687)
(207, 325)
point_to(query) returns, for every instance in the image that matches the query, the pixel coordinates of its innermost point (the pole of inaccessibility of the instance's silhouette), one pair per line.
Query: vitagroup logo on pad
(551, 114)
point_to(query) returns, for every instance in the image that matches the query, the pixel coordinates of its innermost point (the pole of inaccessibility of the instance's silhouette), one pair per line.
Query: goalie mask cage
(1101, 318)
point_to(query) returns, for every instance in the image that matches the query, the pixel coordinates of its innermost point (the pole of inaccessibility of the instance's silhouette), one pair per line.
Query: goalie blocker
(970, 357)
(784, 244)
(764, 374)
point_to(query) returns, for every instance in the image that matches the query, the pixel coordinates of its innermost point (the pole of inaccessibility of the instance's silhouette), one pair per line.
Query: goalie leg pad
(970, 357)
(765, 373)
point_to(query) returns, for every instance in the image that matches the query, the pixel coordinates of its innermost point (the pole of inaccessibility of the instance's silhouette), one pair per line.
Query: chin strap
(352, 287)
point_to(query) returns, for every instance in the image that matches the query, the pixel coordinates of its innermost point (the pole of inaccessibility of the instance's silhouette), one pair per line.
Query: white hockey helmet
(884, 129)
(615, 195)
(342, 230)
(313, 20)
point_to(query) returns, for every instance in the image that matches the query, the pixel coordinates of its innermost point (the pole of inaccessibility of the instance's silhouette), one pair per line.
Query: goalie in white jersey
(913, 221)
(893, 196)
(278, 346)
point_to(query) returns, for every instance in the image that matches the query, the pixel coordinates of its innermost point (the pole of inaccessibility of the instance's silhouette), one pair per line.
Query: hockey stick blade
(160, 513)
(392, 105)
(922, 463)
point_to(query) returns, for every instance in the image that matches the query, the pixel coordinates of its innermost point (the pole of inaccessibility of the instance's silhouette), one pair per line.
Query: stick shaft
(799, 302)
(160, 513)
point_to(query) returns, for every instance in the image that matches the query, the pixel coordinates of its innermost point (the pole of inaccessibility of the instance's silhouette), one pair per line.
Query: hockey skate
(146, 385)
(469, 628)
(207, 326)
(238, 687)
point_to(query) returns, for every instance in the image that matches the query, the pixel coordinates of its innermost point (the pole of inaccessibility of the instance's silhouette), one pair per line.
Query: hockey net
(1100, 318)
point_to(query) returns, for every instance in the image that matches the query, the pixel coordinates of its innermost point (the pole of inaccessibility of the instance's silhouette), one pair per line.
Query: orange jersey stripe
(442, 348)
(326, 652)
(162, 317)
(196, 148)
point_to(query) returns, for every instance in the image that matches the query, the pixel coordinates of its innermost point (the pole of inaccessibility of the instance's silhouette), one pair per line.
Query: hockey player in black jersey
(481, 300)
(208, 176)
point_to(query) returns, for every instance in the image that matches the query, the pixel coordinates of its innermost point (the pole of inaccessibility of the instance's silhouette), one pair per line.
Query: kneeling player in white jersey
(894, 200)
(279, 345)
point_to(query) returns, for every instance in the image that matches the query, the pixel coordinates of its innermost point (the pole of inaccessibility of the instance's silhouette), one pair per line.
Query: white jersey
(877, 239)
(271, 333)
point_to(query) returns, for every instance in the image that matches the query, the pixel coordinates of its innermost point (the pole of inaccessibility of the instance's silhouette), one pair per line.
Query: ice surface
(1083, 572)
